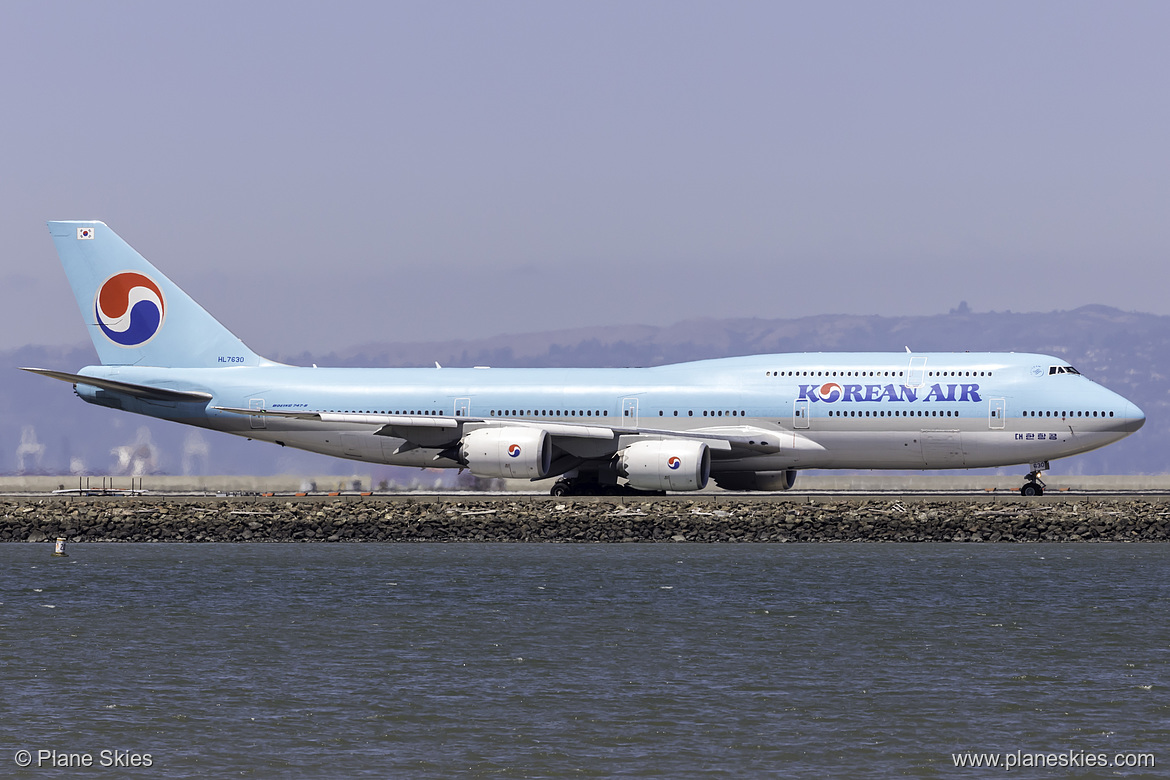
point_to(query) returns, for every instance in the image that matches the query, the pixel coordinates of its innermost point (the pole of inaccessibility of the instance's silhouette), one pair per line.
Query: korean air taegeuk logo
(129, 308)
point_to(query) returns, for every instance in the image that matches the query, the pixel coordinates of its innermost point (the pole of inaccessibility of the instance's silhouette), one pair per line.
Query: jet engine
(511, 453)
(756, 480)
(667, 464)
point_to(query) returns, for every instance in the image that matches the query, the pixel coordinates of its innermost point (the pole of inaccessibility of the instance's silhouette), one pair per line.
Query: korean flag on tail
(84, 232)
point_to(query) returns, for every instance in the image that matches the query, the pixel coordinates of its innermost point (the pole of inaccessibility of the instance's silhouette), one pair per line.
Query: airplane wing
(145, 392)
(577, 438)
(414, 421)
(403, 425)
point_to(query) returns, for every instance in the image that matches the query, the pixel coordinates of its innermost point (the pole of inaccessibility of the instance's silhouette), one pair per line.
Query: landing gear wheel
(577, 487)
(589, 487)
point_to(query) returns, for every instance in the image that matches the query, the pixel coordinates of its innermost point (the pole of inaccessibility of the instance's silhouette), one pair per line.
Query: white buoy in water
(59, 551)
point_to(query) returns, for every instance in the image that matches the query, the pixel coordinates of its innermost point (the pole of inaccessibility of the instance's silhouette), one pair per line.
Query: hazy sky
(320, 175)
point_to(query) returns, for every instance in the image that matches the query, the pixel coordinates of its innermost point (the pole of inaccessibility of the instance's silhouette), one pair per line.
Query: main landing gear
(587, 487)
(1035, 486)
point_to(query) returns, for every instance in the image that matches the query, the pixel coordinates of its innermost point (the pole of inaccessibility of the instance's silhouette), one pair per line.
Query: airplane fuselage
(825, 410)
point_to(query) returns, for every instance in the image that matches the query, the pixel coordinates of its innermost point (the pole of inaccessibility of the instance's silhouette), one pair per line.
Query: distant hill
(1125, 351)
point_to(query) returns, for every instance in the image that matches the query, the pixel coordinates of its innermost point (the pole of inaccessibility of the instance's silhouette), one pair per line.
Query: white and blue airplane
(747, 423)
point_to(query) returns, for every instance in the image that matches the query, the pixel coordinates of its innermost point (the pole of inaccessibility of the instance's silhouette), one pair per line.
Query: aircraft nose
(1134, 417)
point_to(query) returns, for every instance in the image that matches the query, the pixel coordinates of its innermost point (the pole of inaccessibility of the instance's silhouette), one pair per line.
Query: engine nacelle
(511, 453)
(756, 480)
(667, 464)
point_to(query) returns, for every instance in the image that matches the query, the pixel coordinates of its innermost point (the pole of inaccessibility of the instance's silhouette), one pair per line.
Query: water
(669, 660)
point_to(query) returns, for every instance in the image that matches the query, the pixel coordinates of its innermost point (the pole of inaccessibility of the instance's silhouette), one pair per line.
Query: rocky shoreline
(456, 519)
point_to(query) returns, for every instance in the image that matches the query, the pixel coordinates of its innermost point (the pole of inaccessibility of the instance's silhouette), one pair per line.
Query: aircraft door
(462, 407)
(996, 412)
(916, 375)
(257, 421)
(630, 412)
(800, 414)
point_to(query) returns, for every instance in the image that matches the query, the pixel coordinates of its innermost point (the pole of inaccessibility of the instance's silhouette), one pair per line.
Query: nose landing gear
(1035, 486)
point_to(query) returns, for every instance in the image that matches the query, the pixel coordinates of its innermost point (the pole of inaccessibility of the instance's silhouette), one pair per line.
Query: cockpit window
(1062, 370)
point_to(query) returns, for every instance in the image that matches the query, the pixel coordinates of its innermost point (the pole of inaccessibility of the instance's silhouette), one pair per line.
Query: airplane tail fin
(135, 314)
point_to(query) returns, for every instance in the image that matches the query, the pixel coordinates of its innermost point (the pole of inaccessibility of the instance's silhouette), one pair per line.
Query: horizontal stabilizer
(144, 392)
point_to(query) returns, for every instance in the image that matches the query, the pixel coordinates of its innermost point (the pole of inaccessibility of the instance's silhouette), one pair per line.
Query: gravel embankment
(146, 519)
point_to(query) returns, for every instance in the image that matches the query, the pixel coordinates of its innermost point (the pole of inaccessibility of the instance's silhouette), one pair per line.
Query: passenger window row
(1065, 414)
(537, 413)
(894, 413)
(377, 411)
(548, 413)
(958, 373)
(824, 373)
